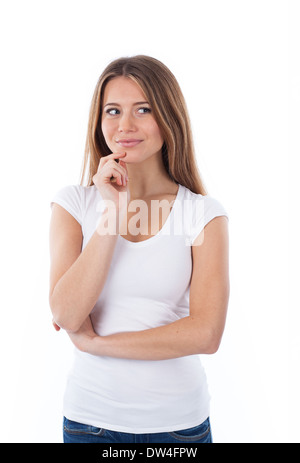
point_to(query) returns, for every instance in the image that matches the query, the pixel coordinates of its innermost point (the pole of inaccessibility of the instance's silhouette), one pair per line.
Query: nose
(126, 123)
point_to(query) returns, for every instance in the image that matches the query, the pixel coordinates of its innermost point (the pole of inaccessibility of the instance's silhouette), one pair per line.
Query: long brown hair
(169, 109)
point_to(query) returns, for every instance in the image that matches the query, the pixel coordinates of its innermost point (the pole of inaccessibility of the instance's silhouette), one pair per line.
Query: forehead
(121, 89)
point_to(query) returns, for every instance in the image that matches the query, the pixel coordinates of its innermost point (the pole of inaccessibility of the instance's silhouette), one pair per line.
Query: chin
(133, 157)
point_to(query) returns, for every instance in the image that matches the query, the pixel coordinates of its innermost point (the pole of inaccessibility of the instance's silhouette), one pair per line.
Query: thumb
(123, 164)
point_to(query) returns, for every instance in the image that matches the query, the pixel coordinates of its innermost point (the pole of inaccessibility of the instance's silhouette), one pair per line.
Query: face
(128, 124)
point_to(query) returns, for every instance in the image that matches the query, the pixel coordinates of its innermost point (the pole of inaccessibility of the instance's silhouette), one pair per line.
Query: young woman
(139, 267)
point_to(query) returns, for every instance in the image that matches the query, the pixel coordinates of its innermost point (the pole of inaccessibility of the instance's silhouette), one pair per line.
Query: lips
(129, 143)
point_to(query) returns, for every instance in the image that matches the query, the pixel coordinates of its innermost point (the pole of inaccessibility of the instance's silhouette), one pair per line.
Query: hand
(112, 177)
(56, 327)
(84, 336)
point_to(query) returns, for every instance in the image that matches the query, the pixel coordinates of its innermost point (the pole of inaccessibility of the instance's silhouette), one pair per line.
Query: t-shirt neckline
(152, 239)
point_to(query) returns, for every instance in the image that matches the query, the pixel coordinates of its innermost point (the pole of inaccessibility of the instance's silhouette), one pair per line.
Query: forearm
(187, 336)
(77, 291)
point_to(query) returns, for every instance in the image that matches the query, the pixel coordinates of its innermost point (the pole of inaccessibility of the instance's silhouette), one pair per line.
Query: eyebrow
(135, 104)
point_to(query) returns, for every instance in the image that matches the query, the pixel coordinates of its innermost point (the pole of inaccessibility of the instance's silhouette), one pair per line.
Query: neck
(148, 178)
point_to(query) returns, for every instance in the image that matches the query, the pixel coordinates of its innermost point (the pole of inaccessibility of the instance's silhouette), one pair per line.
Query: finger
(113, 156)
(111, 167)
(123, 164)
(56, 327)
(114, 176)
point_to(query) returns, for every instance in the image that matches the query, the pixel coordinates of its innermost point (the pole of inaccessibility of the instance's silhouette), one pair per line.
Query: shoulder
(199, 210)
(195, 198)
(75, 199)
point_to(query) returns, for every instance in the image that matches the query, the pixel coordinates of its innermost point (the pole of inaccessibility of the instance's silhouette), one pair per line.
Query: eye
(144, 110)
(112, 111)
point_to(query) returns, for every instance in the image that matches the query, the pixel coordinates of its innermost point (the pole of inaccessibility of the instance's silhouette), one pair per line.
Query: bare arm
(200, 332)
(76, 278)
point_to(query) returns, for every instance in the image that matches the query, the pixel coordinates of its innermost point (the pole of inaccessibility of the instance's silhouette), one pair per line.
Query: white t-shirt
(147, 286)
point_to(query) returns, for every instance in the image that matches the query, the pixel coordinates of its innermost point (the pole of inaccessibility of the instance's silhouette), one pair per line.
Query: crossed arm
(200, 332)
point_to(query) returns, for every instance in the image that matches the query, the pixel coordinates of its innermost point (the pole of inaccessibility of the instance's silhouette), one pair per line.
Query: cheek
(106, 129)
(108, 132)
(153, 130)
(156, 133)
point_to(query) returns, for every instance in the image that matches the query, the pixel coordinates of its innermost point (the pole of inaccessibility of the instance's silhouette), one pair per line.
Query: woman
(139, 267)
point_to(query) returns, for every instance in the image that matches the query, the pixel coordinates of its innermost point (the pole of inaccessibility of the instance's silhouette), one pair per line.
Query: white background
(238, 65)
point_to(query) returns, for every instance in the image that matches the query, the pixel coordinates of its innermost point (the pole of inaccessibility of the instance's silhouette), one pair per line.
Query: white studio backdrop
(232, 59)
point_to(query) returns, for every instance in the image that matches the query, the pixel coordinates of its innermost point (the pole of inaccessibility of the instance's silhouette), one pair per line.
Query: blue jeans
(78, 433)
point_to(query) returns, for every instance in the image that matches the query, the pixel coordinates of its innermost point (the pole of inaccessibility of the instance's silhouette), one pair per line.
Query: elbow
(61, 317)
(212, 347)
(207, 336)
(210, 343)
(66, 325)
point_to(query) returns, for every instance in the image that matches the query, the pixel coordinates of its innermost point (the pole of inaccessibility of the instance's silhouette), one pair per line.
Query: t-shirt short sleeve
(70, 198)
(205, 209)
